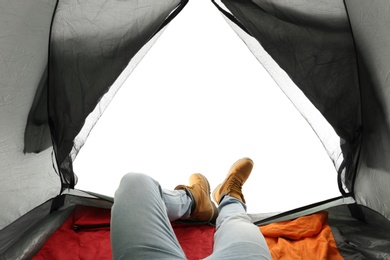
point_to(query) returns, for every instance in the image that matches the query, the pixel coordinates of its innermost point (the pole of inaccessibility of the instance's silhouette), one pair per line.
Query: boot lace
(235, 185)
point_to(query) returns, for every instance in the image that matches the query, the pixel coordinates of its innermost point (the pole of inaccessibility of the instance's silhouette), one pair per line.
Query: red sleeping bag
(86, 235)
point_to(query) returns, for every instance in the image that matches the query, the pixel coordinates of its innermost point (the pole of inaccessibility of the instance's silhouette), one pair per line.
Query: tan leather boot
(236, 177)
(203, 208)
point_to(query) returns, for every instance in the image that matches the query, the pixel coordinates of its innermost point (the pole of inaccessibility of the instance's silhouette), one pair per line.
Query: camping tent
(62, 62)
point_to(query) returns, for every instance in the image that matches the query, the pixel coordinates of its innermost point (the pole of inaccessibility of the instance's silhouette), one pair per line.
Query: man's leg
(236, 236)
(140, 227)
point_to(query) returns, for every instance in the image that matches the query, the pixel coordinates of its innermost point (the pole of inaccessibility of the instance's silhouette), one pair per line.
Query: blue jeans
(141, 229)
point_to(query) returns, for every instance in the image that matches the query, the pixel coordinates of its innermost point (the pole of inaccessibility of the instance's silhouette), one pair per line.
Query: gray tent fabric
(335, 52)
(312, 42)
(27, 180)
(321, 127)
(91, 44)
(369, 24)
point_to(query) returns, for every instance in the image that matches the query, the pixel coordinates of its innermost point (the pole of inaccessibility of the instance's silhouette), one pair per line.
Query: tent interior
(64, 61)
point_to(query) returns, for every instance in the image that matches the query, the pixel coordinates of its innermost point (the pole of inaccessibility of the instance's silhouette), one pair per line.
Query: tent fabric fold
(336, 54)
(313, 44)
(91, 43)
(37, 134)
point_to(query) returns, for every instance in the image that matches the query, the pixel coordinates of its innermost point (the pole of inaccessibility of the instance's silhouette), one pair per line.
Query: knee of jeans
(233, 217)
(136, 179)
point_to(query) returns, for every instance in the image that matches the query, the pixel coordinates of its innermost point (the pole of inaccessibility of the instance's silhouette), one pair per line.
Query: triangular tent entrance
(215, 111)
(62, 61)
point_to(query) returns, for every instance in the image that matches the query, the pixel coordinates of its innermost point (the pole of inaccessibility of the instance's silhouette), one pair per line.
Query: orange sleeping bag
(307, 237)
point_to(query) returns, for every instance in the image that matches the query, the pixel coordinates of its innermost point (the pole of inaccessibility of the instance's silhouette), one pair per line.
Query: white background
(197, 102)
